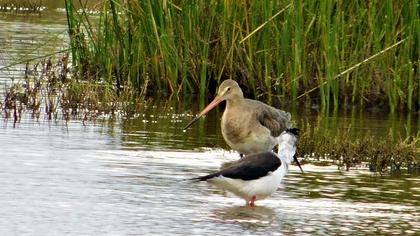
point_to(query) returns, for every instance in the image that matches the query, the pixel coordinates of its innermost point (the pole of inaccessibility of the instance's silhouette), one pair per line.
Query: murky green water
(125, 176)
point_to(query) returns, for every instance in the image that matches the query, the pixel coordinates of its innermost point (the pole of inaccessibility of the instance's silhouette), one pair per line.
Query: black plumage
(250, 167)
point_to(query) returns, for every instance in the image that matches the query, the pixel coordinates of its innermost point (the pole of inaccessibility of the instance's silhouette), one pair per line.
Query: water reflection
(84, 180)
(248, 218)
(23, 37)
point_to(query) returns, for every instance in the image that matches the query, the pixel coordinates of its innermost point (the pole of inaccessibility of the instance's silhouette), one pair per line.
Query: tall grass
(307, 50)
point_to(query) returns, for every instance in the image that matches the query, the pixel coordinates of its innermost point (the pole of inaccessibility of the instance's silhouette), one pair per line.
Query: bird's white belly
(246, 189)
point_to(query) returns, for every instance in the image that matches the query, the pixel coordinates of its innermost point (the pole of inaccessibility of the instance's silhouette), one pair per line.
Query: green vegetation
(364, 53)
(48, 92)
(382, 153)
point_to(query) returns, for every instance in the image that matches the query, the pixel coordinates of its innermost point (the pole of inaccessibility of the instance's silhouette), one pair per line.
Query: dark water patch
(23, 38)
(360, 186)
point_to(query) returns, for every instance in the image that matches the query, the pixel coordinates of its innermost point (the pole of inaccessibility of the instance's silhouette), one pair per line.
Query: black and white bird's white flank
(257, 176)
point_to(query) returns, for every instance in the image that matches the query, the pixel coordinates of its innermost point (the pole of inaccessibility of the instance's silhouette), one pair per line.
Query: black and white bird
(257, 176)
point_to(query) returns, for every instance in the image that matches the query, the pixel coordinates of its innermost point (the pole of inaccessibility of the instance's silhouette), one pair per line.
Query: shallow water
(24, 37)
(127, 176)
(76, 179)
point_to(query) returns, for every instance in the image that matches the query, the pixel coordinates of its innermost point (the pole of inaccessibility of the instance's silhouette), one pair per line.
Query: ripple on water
(82, 180)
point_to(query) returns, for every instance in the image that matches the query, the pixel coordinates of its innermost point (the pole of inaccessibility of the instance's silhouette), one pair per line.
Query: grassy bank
(332, 53)
(381, 153)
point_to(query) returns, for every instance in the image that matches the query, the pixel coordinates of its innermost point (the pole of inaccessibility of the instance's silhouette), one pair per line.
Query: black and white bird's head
(294, 131)
(287, 145)
(289, 136)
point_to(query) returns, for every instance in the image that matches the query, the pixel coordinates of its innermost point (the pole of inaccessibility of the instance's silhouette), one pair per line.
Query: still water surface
(96, 179)
(127, 176)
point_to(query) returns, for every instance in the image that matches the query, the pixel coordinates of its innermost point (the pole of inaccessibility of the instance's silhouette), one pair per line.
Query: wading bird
(257, 176)
(248, 126)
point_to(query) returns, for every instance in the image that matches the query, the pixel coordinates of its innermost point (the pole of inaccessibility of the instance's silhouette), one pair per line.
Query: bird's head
(294, 131)
(228, 89)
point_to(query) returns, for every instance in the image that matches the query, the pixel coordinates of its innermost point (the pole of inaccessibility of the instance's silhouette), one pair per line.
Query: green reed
(319, 51)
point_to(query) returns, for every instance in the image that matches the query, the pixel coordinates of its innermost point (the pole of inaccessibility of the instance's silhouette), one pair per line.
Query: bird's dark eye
(228, 89)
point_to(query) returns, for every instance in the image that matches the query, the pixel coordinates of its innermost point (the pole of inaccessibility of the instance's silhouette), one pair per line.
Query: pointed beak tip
(298, 164)
(186, 127)
(191, 123)
(203, 112)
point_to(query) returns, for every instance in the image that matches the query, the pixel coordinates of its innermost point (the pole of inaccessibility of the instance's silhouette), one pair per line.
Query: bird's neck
(235, 101)
(287, 149)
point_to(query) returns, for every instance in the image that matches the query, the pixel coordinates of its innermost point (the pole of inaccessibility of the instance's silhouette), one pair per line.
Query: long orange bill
(297, 161)
(208, 108)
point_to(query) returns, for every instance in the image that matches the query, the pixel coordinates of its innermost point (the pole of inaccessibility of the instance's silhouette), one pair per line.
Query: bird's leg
(252, 202)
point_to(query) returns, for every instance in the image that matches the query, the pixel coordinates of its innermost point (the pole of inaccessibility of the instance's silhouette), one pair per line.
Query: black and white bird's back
(250, 167)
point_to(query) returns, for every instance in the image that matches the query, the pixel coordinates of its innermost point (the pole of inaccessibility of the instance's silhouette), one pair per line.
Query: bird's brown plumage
(248, 126)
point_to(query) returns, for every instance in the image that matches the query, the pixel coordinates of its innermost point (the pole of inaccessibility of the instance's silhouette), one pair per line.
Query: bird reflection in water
(258, 216)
